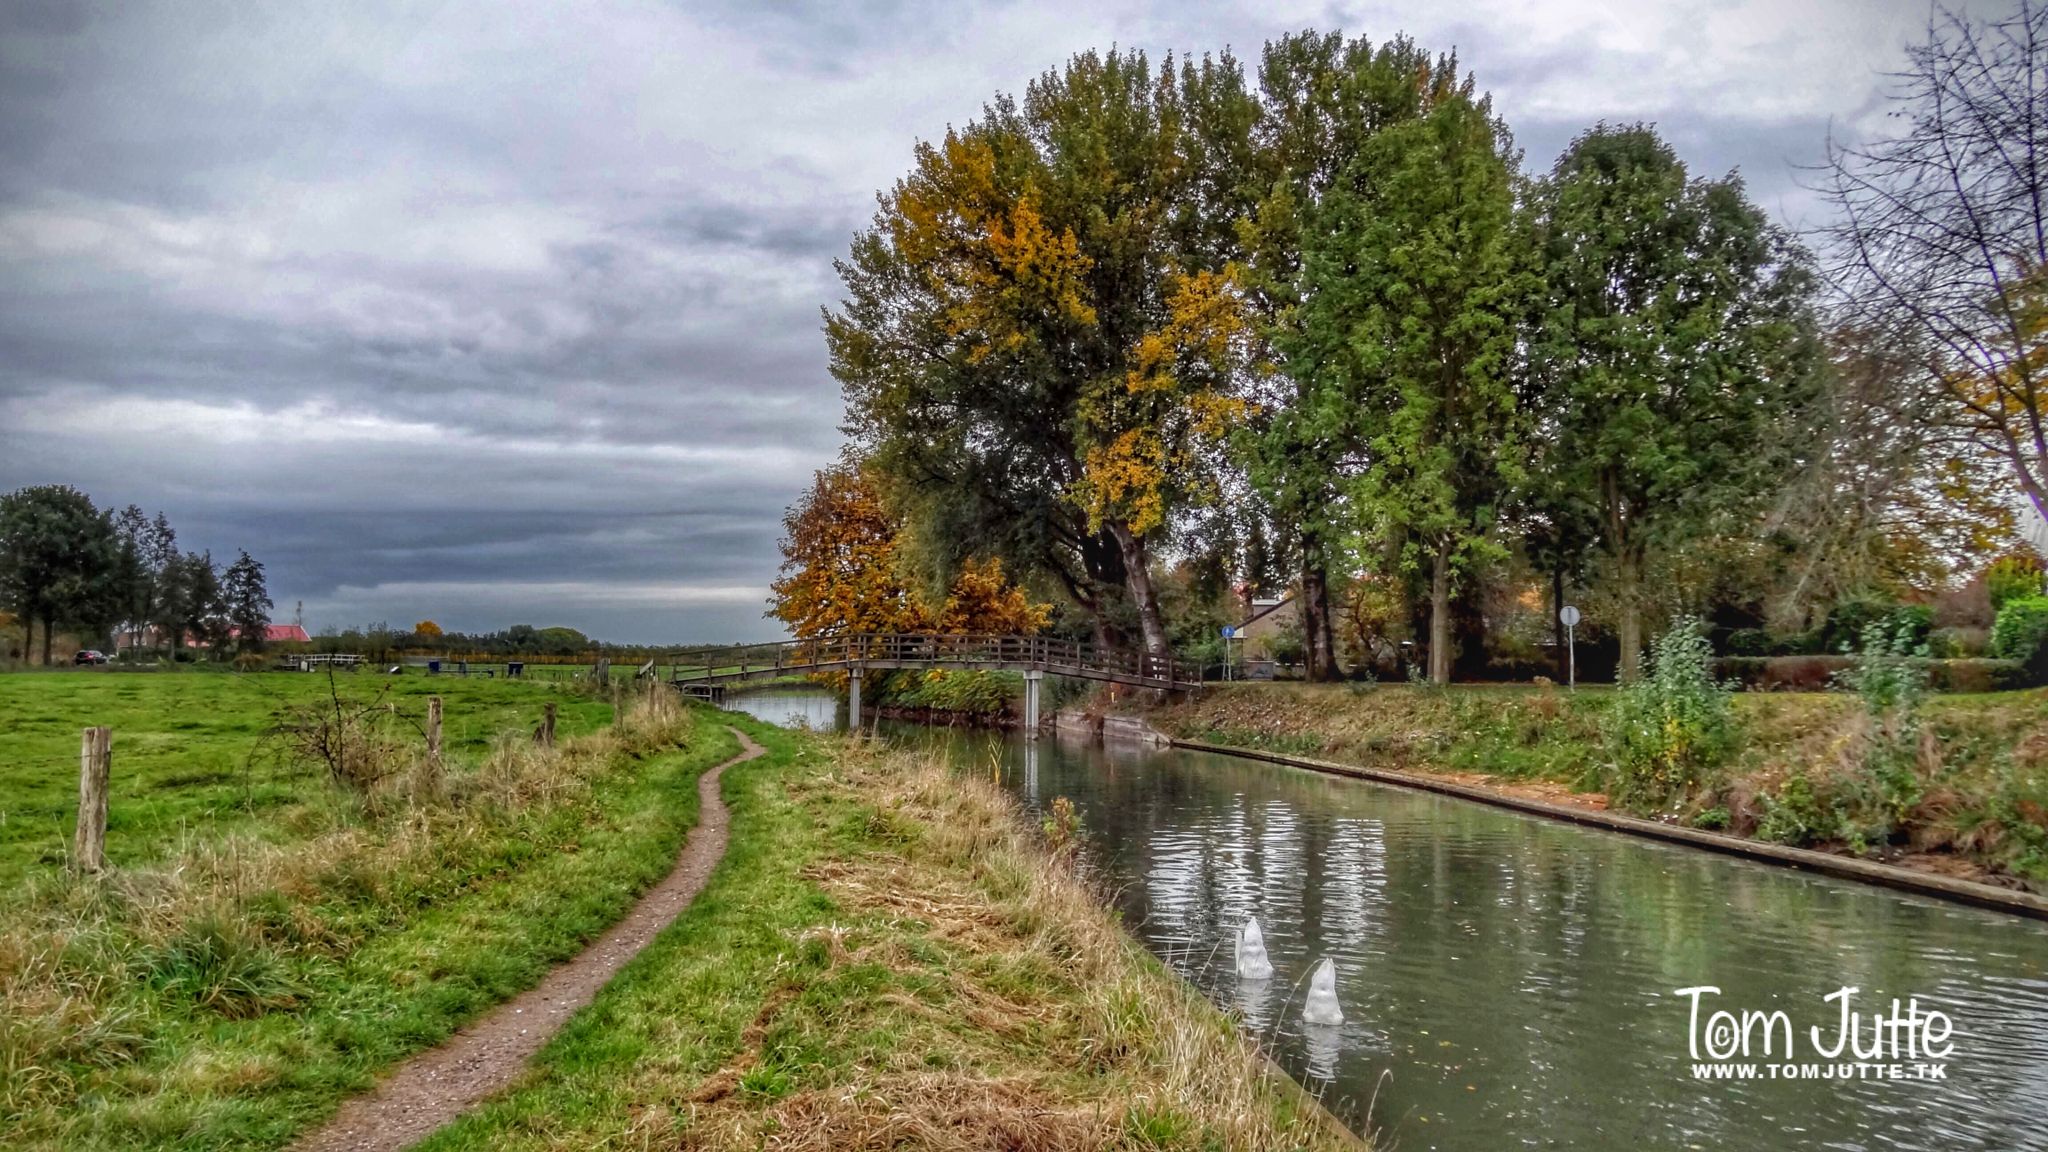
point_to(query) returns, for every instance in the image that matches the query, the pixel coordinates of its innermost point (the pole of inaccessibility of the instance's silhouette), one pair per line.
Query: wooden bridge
(1035, 656)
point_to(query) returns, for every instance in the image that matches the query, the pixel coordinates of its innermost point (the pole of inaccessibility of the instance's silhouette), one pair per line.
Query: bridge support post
(1032, 681)
(853, 698)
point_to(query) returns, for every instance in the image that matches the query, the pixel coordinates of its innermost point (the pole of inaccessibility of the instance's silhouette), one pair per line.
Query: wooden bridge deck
(909, 650)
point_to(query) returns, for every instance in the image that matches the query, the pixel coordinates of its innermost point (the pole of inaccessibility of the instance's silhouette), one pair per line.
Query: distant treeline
(67, 565)
(557, 645)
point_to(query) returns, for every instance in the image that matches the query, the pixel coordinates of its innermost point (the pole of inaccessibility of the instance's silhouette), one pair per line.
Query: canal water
(1513, 982)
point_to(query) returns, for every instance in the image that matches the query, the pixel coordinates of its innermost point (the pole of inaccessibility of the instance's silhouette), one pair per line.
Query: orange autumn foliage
(1174, 407)
(986, 251)
(983, 600)
(841, 573)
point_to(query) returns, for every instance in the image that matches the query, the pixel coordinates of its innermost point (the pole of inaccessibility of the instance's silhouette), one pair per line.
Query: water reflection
(792, 708)
(1509, 981)
(1321, 1046)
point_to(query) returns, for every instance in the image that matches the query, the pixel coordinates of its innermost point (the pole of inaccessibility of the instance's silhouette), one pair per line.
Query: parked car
(89, 656)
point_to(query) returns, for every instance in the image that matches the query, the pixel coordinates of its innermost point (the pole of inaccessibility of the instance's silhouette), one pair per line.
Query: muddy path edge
(431, 1088)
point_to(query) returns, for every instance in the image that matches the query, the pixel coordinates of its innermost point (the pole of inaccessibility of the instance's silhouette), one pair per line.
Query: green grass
(680, 1008)
(229, 985)
(183, 746)
(887, 958)
(887, 955)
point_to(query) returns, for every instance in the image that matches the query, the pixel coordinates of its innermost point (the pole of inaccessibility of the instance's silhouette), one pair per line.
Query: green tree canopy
(245, 601)
(1323, 100)
(1670, 345)
(1416, 275)
(148, 549)
(192, 605)
(59, 559)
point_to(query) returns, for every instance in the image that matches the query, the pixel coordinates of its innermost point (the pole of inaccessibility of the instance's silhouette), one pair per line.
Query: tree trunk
(1315, 613)
(1103, 571)
(1335, 665)
(1138, 579)
(1631, 622)
(1440, 618)
(1098, 628)
(49, 626)
(1557, 630)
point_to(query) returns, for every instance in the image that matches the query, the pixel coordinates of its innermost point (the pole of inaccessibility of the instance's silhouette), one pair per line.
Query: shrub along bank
(1819, 673)
(1878, 769)
(943, 695)
(983, 696)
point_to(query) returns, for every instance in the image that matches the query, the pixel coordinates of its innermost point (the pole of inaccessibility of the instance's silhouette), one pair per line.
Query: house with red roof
(154, 637)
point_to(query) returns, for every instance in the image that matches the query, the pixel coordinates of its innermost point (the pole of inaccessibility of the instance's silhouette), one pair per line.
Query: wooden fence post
(434, 739)
(95, 765)
(545, 734)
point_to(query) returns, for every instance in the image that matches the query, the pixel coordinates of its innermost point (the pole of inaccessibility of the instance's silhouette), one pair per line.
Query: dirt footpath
(440, 1084)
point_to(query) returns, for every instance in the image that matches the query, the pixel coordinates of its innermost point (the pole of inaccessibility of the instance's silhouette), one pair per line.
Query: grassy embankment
(1977, 803)
(265, 940)
(886, 957)
(890, 958)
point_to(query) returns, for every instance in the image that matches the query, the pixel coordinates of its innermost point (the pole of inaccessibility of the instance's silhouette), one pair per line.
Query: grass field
(187, 763)
(265, 941)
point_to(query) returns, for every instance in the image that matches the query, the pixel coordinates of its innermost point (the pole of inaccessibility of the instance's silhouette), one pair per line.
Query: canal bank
(1926, 883)
(1508, 980)
(889, 956)
(1800, 784)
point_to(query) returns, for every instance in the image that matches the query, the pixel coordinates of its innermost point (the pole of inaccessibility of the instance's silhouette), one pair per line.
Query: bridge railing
(1049, 653)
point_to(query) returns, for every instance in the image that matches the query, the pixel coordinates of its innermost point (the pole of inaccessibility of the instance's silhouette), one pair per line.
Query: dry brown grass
(924, 1110)
(1017, 1012)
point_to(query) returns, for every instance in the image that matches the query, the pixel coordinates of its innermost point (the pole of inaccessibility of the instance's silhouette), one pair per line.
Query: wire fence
(471, 729)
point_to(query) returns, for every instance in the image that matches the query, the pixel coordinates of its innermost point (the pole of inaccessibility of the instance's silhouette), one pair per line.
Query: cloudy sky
(507, 311)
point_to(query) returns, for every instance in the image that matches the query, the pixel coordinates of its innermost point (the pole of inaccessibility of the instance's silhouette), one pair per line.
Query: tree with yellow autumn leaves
(842, 572)
(1042, 336)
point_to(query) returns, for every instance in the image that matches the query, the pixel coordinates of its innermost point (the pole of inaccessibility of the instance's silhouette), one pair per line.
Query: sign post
(1569, 617)
(1229, 634)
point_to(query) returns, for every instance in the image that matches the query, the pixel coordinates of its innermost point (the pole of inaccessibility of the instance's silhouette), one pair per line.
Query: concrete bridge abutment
(1034, 681)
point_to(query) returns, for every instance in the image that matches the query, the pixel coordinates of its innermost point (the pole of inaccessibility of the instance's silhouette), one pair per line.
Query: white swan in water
(1251, 952)
(1322, 996)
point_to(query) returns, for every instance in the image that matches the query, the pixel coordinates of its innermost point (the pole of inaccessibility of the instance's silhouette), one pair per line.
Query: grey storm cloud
(508, 311)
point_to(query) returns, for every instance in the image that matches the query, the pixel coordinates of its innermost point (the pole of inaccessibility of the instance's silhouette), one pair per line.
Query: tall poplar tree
(191, 601)
(245, 603)
(149, 549)
(1323, 99)
(1415, 280)
(1672, 342)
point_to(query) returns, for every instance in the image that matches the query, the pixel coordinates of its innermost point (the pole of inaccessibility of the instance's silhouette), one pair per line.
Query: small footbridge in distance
(704, 671)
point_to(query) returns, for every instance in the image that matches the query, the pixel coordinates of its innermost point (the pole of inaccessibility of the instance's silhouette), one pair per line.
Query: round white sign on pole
(1568, 616)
